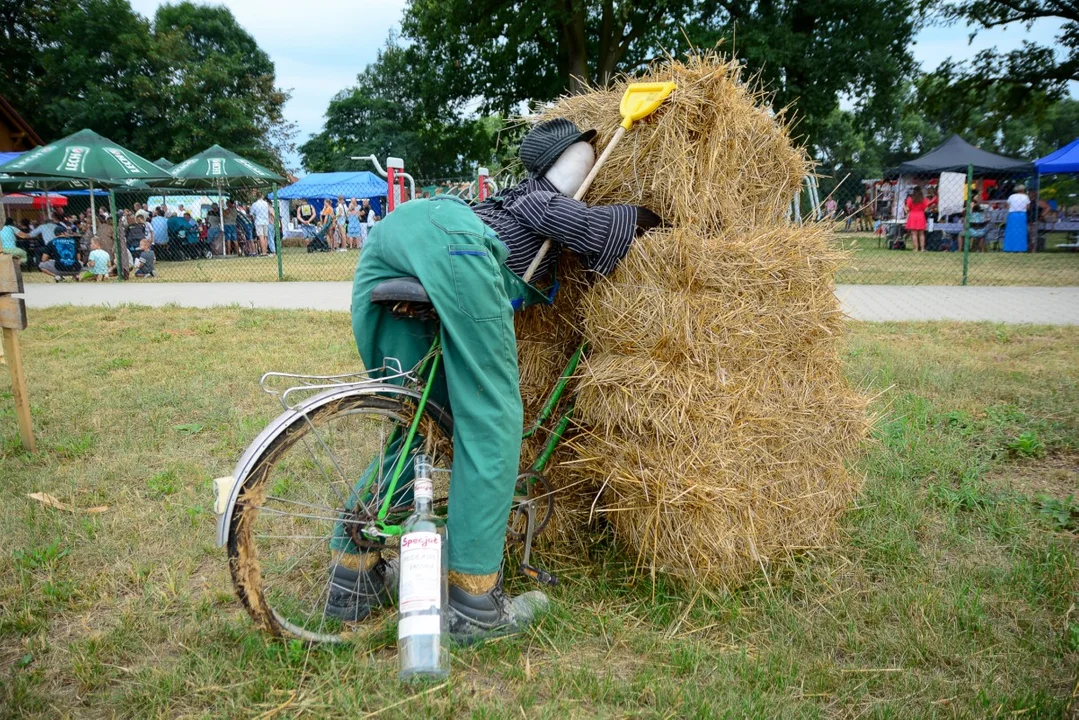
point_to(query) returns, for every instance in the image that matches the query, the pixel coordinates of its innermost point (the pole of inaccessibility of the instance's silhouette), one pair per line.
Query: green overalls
(460, 263)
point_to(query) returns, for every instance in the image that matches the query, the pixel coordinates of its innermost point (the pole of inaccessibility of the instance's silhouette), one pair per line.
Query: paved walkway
(1043, 305)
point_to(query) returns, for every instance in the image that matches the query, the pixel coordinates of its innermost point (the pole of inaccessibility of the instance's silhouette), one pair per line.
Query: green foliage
(171, 87)
(1033, 64)
(1027, 445)
(37, 558)
(809, 52)
(403, 105)
(164, 483)
(1063, 513)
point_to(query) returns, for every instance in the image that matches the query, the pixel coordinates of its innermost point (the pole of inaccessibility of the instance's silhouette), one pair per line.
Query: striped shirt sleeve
(602, 234)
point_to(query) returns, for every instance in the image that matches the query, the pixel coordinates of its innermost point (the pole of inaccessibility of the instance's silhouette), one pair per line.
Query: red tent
(34, 201)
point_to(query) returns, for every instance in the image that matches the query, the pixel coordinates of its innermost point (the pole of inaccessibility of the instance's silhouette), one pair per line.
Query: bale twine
(714, 424)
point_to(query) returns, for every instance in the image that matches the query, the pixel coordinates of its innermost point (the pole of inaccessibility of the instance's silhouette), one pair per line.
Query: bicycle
(355, 436)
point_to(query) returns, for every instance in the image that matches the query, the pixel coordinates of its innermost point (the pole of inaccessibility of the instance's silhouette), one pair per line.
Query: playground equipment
(395, 180)
(485, 185)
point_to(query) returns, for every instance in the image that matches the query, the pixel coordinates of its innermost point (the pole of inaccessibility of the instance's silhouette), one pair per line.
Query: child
(144, 263)
(98, 262)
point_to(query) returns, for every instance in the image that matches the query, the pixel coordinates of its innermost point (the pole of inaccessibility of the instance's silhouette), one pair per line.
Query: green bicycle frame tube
(556, 394)
(402, 458)
(556, 437)
(429, 369)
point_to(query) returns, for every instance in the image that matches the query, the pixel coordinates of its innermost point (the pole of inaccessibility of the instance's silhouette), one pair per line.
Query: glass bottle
(423, 588)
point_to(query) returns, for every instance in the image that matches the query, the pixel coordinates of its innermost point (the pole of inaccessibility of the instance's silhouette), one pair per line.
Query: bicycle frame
(428, 369)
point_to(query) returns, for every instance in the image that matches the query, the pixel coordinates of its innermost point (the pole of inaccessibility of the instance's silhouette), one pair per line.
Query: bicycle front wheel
(311, 490)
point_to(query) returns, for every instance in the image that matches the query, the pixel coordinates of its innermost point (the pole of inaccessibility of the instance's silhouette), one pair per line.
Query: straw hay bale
(713, 138)
(713, 422)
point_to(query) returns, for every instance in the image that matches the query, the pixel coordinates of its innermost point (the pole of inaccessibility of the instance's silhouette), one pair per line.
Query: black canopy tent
(955, 155)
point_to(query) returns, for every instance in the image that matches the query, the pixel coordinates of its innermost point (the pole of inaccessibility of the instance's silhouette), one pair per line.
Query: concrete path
(1043, 305)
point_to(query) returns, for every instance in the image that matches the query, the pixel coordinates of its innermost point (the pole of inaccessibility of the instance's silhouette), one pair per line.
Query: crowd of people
(68, 246)
(906, 218)
(336, 227)
(63, 246)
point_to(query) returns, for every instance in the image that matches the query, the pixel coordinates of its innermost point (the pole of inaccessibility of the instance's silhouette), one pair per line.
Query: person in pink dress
(916, 206)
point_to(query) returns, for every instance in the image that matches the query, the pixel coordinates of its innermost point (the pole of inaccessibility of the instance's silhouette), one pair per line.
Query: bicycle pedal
(541, 576)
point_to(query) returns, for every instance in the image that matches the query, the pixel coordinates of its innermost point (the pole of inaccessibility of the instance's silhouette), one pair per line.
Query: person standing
(229, 219)
(830, 207)
(159, 226)
(326, 222)
(260, 214)
(340, 213)
(1015, 229)
(916, 206)
(355, 228)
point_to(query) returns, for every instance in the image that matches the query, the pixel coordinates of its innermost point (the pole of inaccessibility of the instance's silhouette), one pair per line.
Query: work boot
(479, 616)
(355, 592)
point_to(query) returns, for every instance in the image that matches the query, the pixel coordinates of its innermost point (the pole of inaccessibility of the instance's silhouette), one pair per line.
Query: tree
(1040, 66)
(217, 86)
(810, 52)
(191, 78)
(403, 106)
(537, 50)
(76, 64)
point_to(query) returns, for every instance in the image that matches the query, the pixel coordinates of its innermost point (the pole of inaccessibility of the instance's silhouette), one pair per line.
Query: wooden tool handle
(577, 196)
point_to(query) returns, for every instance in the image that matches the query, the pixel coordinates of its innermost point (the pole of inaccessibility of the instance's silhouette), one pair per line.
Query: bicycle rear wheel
(299, 496)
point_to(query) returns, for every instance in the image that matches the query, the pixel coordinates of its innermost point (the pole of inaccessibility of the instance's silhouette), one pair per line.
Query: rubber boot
(355, 592)
(476, 614)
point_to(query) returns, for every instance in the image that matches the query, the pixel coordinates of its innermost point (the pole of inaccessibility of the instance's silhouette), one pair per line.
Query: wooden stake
(13, 353)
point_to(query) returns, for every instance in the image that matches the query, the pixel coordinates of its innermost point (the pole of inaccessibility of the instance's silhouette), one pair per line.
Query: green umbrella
(86, 156)
(164, 163)
(219, 168)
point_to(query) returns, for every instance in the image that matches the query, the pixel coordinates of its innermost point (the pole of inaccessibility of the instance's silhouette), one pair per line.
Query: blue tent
(323, 186)
(1064, 160)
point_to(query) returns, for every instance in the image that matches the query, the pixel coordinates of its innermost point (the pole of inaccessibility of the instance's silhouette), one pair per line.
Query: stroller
(316, 237)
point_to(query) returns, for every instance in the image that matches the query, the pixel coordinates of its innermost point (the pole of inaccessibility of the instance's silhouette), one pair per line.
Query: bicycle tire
(245, 564)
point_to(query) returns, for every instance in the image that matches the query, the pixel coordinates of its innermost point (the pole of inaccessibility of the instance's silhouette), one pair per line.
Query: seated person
(97, 264)
(144, 263)
(179, 227)
(9, 241)
(305, 216)
(61, 257)
(979, 226)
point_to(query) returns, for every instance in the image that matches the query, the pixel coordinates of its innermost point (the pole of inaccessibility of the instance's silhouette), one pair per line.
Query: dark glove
(646, 220)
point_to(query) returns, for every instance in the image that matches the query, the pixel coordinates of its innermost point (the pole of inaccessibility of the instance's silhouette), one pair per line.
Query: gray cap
(547, 141)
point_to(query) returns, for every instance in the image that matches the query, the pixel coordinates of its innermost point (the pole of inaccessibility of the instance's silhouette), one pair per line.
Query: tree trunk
(573, 36)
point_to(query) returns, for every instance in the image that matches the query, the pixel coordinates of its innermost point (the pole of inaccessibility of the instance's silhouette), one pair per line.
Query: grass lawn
(296, 262)
(870, 265)
(953, 592)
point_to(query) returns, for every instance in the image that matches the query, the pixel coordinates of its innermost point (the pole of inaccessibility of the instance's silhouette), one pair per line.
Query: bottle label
(421, 572)
(419, 625)
(423, 487)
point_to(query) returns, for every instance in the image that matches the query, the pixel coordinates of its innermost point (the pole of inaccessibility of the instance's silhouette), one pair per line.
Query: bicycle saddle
(405, 297)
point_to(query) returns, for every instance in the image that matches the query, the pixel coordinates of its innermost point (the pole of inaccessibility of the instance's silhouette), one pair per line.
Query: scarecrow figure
(470, 261)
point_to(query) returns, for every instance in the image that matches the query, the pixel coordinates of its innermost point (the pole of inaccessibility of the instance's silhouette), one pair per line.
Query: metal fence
(977, 228)
(974, 232)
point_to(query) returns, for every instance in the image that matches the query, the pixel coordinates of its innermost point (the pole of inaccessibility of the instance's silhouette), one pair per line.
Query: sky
(319, 46)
